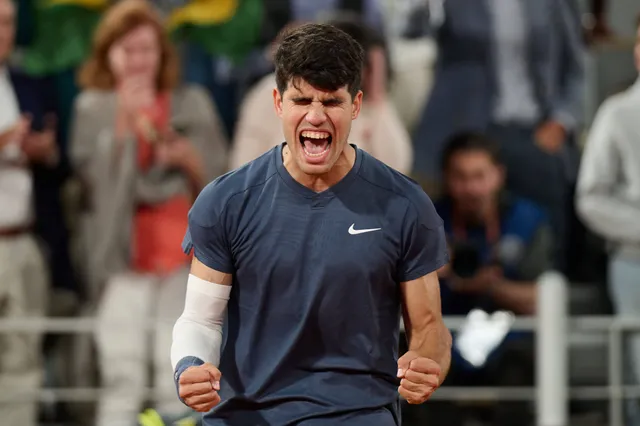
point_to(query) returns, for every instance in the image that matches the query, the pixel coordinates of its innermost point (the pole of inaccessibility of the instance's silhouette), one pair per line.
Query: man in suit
(30, 174)
(512, 69)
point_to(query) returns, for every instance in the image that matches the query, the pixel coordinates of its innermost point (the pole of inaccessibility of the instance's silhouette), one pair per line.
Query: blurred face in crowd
(137, 54)
(316, 124)
(7, 28)
(473, 181)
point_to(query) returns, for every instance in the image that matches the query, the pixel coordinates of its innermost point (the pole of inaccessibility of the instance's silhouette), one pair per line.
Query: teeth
(316, 155)
(315, 135)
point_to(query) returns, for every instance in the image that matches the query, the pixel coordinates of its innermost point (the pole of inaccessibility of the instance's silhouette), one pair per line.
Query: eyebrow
(332, 99)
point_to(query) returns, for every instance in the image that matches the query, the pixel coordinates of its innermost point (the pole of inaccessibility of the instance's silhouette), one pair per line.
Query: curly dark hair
(322, 55)
(468, 142)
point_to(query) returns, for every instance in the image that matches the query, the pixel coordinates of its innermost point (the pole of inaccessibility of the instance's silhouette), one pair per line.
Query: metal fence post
(552, 351)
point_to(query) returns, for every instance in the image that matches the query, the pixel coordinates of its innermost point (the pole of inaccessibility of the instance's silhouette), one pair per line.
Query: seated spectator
(378, 130)
(500, 244)
(608, 200)
(279, 15)
(143, 148)
(28, 151)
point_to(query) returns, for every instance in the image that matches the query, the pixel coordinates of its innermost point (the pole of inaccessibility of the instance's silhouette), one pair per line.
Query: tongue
(315, 146)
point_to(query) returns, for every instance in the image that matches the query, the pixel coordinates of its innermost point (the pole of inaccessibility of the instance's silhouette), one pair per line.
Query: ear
(277, 102)
(356, 105)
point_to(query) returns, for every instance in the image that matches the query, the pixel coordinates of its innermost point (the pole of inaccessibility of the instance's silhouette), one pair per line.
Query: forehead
(143, 33)
(299, 87)
(6, 9)
(471, 159)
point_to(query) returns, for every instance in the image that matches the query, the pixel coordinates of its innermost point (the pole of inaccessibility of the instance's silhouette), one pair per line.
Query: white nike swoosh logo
(353, 231)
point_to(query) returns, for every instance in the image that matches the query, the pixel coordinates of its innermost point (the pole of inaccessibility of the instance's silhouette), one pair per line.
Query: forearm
(198, 331)
(519, 297)
(433, 342)
(609, 216)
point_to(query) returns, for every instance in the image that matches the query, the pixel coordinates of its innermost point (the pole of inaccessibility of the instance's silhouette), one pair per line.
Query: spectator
(512, 69)
(215, 39)
(143, 148)
(378, 130)
(28, 146)
(608, 200)
(278, 15)
(500, 244)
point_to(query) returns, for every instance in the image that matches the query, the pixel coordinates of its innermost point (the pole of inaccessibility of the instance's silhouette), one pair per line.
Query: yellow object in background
(202, 12)
(89, 4)
(152, 418)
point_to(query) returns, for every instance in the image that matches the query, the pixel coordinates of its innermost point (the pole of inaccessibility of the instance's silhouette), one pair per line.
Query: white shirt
(608, 194)
(16, 184)
(516, 101)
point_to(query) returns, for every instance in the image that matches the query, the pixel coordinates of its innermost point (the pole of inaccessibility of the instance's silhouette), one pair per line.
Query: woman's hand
(178, 152)
(134, 95)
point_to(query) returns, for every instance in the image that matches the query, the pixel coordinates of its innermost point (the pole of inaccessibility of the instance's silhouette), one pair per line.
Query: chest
(628, 153)
(324, 248)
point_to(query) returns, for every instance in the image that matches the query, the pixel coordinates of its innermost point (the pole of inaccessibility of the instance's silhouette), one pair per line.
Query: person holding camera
(499, 245)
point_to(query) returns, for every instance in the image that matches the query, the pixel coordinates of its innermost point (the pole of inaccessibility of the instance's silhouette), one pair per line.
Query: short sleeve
(209, 243)
(424, 244)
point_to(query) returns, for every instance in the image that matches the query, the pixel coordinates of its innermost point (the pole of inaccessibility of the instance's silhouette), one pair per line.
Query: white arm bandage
(198, 331)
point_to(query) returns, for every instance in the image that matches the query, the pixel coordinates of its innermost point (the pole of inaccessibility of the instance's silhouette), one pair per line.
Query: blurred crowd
(114, 114)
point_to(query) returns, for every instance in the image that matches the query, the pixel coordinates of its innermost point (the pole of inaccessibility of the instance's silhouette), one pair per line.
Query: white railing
(551, 391)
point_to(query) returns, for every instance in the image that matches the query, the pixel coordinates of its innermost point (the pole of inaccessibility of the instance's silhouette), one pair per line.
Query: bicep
(208, 274)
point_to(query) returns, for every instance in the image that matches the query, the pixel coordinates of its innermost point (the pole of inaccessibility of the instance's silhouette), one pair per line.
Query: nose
(316, 115)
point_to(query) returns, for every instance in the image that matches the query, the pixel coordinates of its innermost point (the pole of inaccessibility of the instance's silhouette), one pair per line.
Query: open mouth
(316, 144)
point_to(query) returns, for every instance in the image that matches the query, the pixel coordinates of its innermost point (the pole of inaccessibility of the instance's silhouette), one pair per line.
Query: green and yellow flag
(229, 28)
(62, 34)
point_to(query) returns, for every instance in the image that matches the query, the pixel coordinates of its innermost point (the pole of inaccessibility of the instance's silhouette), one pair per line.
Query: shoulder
(396, 185)
(219, 196)
(191, 94)
(264, 85)
(620, 103)
(260, 94)
(91, 99)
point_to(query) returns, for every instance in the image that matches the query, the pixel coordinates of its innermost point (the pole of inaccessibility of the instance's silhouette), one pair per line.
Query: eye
(301, 101)
(332, 103)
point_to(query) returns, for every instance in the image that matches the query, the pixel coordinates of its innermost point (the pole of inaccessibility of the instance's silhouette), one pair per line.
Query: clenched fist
(198, 387)
(420, 377)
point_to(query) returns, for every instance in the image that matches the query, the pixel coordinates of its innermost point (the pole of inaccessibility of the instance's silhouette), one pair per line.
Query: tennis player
(307, 256)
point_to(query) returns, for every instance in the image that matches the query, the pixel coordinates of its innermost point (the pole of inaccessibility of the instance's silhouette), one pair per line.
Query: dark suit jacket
(37, 97)
(464, 84)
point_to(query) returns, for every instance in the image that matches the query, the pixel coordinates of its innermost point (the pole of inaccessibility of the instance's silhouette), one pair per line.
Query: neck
(322, 182)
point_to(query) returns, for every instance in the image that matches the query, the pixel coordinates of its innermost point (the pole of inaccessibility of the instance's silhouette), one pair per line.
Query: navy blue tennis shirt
(311, 334)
